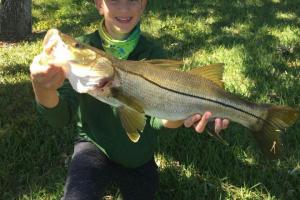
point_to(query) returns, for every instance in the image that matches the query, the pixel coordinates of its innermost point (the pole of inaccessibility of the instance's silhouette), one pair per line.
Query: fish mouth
(104, 83)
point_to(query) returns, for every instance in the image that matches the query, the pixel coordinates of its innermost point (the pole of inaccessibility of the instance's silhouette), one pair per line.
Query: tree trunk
(15, 19)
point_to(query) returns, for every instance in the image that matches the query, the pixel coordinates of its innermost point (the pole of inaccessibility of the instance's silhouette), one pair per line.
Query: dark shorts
(90, 172)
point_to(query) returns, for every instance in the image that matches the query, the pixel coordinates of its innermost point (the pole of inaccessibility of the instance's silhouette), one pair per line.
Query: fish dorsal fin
(165, 63)
(132, 121)
(213, 72)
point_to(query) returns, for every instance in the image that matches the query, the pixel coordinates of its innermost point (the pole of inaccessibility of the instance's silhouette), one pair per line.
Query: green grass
(259, 42)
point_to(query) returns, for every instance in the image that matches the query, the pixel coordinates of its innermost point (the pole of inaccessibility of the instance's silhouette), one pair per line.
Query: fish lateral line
(195, 96)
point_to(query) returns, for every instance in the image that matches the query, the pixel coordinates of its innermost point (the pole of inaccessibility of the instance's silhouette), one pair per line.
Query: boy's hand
(199, 122)
(46, 77)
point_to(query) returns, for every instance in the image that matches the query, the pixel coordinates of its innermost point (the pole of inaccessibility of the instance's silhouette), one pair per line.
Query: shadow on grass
(202, 168)
(32, 154)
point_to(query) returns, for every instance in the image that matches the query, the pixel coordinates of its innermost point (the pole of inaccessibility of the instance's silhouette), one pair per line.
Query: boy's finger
(218, 125)
(53, 70)
(191, 120)
(225, 123)
(55, 81)
(46, 74)
(202, 123)
(42, 77)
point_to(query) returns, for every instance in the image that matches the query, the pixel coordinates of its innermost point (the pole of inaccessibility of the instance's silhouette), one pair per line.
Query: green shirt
(99, 123)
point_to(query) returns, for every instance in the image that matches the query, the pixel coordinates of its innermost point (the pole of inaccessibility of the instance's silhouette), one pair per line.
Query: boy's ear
(99, 6)
(144, 4)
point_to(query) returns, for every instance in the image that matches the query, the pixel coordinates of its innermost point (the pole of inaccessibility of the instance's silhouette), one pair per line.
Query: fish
(157, 88)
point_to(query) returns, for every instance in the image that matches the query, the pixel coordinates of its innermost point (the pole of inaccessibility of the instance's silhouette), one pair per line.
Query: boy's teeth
(123, 19)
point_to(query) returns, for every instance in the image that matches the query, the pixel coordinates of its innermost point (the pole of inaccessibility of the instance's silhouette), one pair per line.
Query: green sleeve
(64, 112)
(156, 123)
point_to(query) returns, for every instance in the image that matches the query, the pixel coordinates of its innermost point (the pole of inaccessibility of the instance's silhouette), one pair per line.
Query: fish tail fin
(269, 136)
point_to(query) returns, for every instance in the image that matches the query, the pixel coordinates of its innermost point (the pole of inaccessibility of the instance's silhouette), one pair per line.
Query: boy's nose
(124, 6)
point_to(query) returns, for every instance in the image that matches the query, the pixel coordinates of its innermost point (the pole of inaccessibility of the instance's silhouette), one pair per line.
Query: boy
(103, 152)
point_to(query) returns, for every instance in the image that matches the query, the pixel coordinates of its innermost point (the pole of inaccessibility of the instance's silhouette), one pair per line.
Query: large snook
(154, 88)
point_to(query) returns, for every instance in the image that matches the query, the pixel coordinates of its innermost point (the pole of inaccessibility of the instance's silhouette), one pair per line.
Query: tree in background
(15, 19)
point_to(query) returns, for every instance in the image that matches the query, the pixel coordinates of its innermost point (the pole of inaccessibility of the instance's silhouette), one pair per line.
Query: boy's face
(121, 16)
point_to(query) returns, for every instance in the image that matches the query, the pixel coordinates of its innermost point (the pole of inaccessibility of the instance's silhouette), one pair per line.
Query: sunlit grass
(258, 41)
(286, 35)
(286, 15)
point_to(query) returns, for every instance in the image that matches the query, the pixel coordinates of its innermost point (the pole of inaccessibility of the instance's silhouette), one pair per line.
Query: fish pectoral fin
(128, 101)
(213, 72)
(132, 121)
(165, 64)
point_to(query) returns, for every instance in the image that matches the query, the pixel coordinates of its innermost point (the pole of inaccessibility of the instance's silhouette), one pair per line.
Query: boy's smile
(124, 19)
(121, 16)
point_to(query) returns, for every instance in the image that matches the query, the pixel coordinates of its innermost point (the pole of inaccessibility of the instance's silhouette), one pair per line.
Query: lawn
(257, 40)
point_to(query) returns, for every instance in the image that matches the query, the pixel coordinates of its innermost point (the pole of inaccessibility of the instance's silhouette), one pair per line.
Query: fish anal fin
(132, 121)
(213, 72)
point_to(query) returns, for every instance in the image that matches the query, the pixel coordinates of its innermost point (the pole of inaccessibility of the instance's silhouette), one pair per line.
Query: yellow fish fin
(269, 136)
(133, 122)
(213, 72)
(165, 63)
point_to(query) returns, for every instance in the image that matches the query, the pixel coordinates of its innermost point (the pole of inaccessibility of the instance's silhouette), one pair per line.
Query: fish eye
(77, 45)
